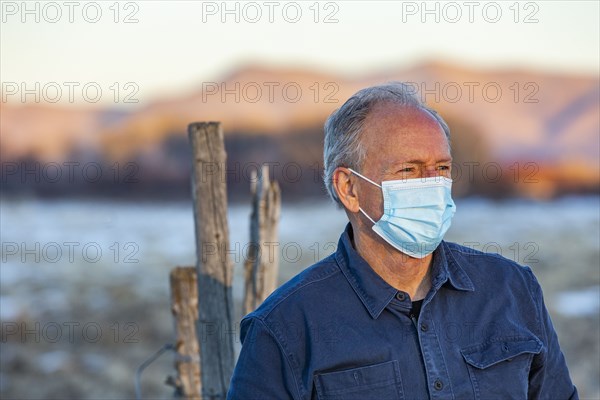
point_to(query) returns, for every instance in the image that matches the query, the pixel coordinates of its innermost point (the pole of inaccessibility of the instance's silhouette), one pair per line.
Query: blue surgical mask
(416, 213)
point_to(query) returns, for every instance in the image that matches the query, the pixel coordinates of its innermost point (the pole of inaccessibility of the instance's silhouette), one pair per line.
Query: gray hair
(343, 128)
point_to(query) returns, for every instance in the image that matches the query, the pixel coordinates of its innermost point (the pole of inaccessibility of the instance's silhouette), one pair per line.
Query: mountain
(531, 124)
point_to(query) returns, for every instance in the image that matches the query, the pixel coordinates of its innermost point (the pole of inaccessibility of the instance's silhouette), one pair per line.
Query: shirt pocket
(499, 369)
(378, 381)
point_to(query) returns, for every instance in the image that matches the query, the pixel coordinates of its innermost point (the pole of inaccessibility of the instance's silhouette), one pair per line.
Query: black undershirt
(416, 308)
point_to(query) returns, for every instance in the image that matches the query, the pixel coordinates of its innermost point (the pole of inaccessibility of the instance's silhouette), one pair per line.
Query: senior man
(396, 312)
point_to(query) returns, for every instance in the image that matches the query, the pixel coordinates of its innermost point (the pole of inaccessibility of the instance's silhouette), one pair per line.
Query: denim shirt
(338, 331)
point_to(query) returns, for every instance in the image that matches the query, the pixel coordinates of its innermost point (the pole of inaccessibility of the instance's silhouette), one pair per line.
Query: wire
(145, 364)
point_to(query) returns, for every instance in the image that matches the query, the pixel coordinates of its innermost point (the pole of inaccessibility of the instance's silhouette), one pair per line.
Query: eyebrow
(421, 162)
(418, 162)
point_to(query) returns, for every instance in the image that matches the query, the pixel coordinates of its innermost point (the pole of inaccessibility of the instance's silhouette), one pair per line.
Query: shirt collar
(457, 276)
(374, 292)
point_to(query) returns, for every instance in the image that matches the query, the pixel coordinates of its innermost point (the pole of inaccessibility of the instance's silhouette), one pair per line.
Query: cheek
(373, 203)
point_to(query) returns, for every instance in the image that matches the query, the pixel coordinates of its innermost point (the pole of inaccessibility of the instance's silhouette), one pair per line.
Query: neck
(405, 273)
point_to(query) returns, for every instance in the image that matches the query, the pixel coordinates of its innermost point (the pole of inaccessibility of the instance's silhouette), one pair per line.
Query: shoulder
(299, 292)
(489, 270)
(493, 262)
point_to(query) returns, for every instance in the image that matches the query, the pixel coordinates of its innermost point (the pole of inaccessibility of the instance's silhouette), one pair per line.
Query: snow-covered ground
(85, 298)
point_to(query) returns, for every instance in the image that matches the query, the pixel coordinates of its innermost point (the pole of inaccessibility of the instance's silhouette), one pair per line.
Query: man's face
(400, 143)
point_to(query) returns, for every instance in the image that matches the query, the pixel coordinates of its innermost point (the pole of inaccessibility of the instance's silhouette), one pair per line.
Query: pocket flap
(363, 377)
(489, 353)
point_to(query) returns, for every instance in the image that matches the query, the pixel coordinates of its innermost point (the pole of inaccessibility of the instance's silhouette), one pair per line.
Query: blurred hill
(514, 133)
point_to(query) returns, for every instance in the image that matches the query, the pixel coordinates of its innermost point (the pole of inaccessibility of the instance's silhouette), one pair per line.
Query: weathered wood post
(184, 305)
(214, 269)
(262, 264)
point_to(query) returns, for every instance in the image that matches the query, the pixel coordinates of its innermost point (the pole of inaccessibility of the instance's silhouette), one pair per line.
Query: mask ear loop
(370, 181)
(365, 178)
(365, 214)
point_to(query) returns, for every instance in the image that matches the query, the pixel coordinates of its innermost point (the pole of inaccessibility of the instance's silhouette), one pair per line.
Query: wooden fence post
(184, 305)
(214, 269)
(262, 264)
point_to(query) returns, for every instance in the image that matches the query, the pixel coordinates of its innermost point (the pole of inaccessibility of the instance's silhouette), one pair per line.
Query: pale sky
(175, 46)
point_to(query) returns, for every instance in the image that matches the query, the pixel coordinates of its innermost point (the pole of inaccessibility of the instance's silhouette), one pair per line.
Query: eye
(406, 169)
(444, 167)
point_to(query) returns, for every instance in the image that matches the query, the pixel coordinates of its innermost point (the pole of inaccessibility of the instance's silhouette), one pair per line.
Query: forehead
(396, 133)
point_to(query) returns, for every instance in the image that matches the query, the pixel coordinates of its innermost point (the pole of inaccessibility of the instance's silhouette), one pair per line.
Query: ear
(345, 186)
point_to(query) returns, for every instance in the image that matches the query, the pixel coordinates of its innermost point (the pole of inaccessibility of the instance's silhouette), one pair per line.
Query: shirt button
(424, 327)
(400, 296)
(438, 385)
